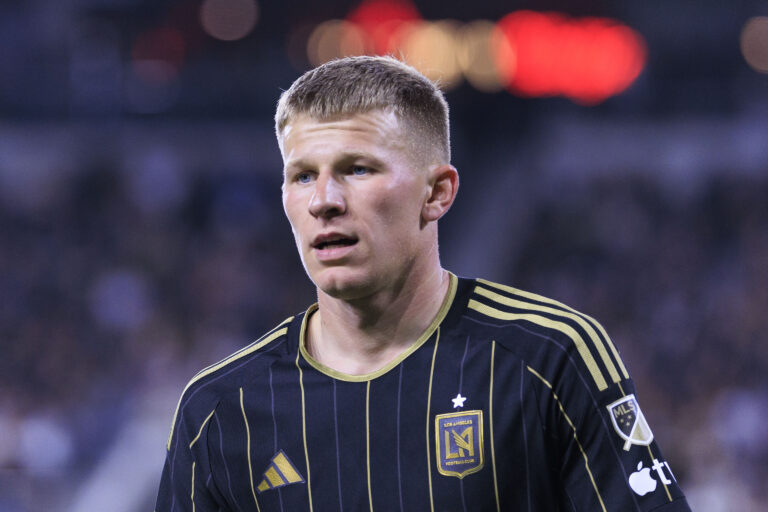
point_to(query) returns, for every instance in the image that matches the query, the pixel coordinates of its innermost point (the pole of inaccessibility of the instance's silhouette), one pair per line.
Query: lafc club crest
(459, 440)
(629, 422)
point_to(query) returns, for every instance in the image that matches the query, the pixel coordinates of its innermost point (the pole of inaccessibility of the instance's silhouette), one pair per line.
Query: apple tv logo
(641, 480)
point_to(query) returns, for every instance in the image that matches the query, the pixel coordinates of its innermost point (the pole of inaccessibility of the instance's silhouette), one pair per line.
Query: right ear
(444, 185)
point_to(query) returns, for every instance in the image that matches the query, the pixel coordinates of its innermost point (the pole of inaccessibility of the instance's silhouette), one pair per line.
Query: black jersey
(508, 401)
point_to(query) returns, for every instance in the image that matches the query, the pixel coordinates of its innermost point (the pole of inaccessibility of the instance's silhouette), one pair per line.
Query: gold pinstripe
(575, 437)
(264, 340)
(501, 299)
(368, 440)
(192, 495)
(304, 430)
(547, 300)
(201, 429)
(429, 409)
(653, 457)
(566, 329)
(490, 413)
(650, 452)
(248, 447)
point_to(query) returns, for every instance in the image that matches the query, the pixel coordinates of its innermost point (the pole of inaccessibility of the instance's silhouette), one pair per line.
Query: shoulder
(263, 344)
(202, 392)
(553, 338)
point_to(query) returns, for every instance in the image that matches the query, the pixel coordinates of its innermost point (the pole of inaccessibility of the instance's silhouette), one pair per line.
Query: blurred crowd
(118, 283)
(681, 284)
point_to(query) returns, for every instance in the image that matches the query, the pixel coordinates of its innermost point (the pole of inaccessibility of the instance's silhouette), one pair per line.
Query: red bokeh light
(586, 59)
(161, 45)
(381, 20)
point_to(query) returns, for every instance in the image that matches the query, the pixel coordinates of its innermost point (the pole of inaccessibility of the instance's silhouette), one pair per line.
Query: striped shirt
(508, 401)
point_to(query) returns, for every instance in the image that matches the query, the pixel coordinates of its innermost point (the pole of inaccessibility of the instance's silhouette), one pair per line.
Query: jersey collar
(441, 314)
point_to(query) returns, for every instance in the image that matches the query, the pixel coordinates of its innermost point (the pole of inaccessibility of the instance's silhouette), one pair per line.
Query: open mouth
(334, 243)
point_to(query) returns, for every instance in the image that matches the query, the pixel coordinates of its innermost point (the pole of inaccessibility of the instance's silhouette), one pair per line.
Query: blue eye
(303, 177)
(359, 170)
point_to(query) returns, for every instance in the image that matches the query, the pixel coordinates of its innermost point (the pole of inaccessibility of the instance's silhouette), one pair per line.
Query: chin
(343, 284)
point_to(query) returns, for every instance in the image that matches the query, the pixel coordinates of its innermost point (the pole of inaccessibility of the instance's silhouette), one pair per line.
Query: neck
(361, 336)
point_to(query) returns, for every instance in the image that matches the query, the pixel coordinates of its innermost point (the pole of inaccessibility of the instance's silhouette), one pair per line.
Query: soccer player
(405, 387)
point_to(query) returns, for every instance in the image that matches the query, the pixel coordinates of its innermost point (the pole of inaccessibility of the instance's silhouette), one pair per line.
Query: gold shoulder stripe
(501, 299)
(575, 437)
(541, 298)
(199, 432)
(653, 457)
(566, 329)
(256, 345)
(248, 348)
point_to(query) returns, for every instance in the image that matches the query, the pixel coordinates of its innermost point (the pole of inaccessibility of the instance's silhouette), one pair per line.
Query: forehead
(375, 131)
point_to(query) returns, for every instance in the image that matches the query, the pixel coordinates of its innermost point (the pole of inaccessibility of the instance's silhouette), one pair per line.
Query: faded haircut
(357, 85)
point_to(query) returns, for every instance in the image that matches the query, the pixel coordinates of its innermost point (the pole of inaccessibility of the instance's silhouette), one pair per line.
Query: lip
(332, 235)
(333, 253)
(328, 254)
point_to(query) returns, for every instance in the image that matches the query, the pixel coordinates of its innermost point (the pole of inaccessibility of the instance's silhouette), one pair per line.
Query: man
(405, 387)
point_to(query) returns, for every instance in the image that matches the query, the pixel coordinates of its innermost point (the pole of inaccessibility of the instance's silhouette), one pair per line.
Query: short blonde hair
(357, 85)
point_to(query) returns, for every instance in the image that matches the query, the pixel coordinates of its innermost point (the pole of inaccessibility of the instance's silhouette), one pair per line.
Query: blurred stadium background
(614, 155)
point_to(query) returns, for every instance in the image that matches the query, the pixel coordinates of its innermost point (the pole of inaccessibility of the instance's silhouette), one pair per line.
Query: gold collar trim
(447, 302)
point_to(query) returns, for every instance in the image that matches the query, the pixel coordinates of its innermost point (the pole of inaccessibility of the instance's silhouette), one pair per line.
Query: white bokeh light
(754, 43)
(228, 20)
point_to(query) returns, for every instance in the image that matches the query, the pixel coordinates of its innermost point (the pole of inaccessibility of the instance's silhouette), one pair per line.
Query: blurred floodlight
(158, 55)
(504, 55)
(475, 41)
(754, 43)
(155, 71)
(432, 47)
(334, 39)
(585, 59)
(381, 20)
(228, 20)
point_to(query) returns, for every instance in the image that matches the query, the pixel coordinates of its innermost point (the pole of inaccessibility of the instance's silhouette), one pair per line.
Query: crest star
(458, 401)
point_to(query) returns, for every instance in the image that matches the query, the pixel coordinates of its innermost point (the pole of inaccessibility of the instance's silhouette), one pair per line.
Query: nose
(327, 198)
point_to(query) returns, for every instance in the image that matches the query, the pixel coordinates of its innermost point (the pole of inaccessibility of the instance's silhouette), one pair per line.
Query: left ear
(443, 186)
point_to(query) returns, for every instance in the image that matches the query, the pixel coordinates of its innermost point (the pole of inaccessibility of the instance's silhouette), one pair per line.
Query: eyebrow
(343, 158)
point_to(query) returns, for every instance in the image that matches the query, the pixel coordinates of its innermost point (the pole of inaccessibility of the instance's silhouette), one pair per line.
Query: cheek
(399, 210)
(292, 209)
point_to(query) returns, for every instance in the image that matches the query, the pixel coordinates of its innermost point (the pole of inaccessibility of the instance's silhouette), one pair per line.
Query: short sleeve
(611, 459)
(187, 482)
